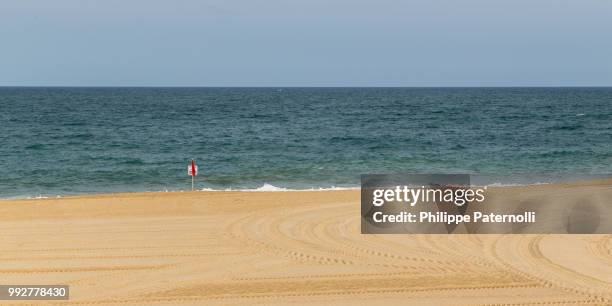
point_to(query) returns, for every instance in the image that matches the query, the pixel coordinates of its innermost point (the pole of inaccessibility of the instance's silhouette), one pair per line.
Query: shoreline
(268, 188)
(201, 191)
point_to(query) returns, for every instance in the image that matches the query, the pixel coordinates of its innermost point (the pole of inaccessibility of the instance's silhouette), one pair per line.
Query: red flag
(194, 170)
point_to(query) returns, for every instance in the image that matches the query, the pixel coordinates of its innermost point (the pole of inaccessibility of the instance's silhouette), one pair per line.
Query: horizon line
(306, 86)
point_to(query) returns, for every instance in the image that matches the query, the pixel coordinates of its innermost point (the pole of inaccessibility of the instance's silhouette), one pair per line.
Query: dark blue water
(83, 140)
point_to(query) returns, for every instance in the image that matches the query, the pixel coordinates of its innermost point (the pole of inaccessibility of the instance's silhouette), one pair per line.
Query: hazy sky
(306, 43)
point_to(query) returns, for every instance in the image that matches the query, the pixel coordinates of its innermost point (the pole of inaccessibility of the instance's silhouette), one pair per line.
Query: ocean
(65, 141)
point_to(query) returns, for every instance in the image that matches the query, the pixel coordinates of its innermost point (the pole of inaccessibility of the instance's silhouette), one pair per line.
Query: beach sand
(283, 248)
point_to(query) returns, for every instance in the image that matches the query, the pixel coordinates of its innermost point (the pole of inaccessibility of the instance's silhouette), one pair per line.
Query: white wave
(37, 197)
(271, 188)
(208, 189)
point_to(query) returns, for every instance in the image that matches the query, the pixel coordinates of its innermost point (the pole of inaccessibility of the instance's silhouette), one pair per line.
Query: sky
(306, 43)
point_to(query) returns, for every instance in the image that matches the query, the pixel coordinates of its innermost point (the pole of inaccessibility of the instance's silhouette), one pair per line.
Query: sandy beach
(285, 248)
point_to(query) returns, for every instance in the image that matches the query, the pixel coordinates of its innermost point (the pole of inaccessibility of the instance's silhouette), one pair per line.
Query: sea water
(61, 141)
